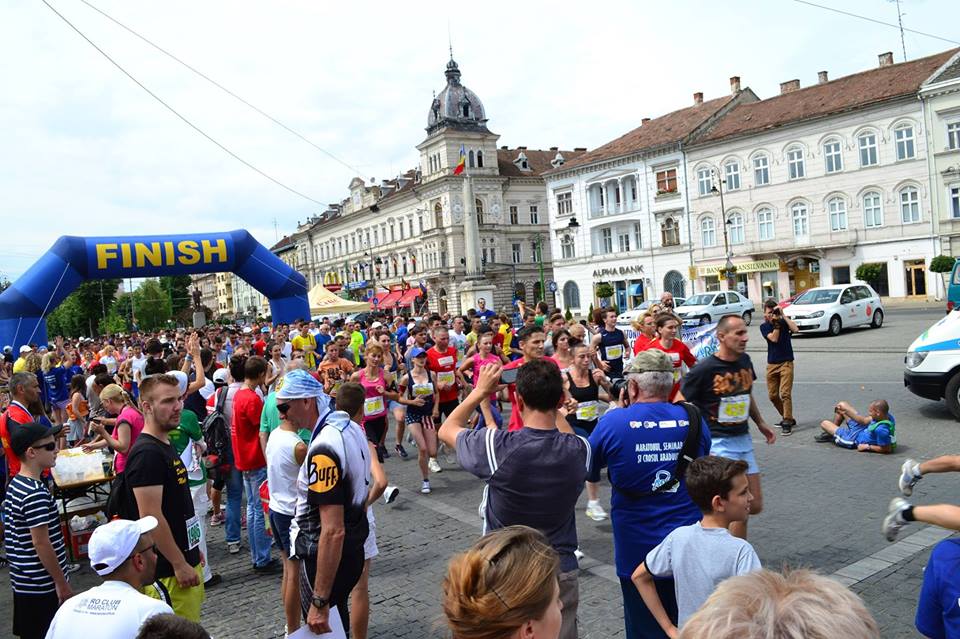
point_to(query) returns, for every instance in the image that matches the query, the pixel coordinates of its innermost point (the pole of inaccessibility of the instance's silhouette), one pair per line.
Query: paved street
(823, 508)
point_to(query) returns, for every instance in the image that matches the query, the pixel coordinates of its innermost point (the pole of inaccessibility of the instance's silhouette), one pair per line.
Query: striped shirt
(29, 504)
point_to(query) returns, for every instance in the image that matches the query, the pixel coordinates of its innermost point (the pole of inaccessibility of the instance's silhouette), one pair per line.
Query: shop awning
(636, 290)
(387, 300)
(409, 296)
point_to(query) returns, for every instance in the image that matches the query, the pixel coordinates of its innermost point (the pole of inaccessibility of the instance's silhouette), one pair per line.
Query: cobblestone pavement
(823, 508)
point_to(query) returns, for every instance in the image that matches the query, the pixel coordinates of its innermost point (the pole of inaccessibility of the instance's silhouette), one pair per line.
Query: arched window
(571, 295)
(479, 205)
(832, 155)
(872, 209)
(708, 232)
(795, 163)
(837, 207)
(673, 283)
(731, 172)
(566, 247)
(466, 109)
(480, 159)
(801, 223)
(909, 205)
(764, 224)
(903, 136)
(735, 224)
(538, 292)
(867, 141)
(520, 292)
(669, 233)
(438, 215)
(470, 157)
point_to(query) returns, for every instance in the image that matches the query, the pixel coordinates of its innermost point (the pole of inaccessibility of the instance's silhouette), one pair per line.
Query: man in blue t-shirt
(938, 611)
(777, 331)
(871, 433)
(483, 312)
(639, 446)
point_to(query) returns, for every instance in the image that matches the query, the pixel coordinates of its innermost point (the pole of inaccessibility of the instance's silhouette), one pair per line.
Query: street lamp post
(728, 267)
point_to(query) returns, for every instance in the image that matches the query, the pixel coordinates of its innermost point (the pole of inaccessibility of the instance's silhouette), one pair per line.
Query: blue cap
(416, 351)
(265, 329)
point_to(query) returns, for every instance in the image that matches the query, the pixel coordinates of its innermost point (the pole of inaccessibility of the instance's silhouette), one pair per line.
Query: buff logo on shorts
(323, 473)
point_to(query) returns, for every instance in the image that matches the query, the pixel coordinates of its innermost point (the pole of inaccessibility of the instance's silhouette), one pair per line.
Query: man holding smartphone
(777, 330)
(531, 339)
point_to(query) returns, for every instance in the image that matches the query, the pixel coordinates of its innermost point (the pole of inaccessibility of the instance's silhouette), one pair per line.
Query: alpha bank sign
(637, 269)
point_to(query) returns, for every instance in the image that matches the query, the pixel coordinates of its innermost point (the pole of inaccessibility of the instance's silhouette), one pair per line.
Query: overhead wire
(179, 115)
(232, 94)
(874, 20)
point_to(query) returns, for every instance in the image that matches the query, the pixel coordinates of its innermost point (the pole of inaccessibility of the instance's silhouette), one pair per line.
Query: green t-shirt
(188, 431)
(270, 419)
(539, 320)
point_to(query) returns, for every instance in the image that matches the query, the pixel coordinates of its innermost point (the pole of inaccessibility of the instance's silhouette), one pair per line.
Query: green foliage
(568, 315)
(112, 324)
(942, 264)
(152, 305)
(81, 312)
(178, 289)
(604, 290)
(870, 271)
(590, 311)
(4, 284)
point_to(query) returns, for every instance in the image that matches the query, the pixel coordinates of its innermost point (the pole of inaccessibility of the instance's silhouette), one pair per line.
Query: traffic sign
(552, 286)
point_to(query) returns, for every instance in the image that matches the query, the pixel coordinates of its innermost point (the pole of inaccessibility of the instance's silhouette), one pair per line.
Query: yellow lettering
(125, 255)
(145, 253)
(105, 252)
(168, 253)
(189, 253)
(210, 250)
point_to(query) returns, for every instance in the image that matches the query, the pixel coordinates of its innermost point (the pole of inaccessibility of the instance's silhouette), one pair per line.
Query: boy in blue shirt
(872, 433)
(938, 611)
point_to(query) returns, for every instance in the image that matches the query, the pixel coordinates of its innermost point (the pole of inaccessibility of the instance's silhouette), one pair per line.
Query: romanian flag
(462, 163)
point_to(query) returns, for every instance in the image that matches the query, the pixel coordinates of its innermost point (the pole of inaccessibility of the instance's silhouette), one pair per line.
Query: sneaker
(71, 568)
(425, 487)
(390, 494)
(401, 451)
(434, 465)
(268, 568)
(595, 511)
(579, 555)
(217, 520)
(909, 476)
(214, 580)
(823, 437)
(233, 547)
(383, 451)
(894, 520)
(786, 429)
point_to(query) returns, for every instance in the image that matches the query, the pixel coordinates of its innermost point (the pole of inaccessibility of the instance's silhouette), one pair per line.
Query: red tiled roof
(283, 243)
(837, 96)
(671, 127)
(537, 159)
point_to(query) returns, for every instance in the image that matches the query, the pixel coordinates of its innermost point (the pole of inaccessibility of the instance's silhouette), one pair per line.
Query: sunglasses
(153, 548)
(52, 446)
(283, 408)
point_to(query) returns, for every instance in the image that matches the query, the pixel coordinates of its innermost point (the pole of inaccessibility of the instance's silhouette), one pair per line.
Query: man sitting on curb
(873, 433)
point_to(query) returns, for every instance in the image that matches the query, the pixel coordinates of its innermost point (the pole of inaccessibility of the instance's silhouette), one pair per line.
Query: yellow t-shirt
(20, 365)
(300, 343)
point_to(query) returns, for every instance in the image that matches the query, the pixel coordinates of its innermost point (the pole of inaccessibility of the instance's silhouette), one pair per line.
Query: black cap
(23, 436)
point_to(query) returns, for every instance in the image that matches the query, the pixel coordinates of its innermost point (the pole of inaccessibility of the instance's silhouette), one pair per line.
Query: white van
(933, 363)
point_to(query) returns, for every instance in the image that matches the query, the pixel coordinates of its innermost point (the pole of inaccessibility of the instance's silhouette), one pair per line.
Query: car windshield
(824, 296)
(698, 300)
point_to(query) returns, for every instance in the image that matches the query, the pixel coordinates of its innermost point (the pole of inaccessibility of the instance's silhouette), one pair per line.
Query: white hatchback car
(829, 309)
(705, 308)
(628, 316)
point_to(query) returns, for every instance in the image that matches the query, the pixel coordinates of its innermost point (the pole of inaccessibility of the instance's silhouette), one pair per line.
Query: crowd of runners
(204, 426)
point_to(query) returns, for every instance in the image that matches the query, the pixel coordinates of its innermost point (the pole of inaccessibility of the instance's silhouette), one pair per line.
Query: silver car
(705, 308)
(830, 309)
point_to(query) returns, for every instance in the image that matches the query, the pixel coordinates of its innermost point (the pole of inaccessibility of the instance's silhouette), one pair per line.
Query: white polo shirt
(112, 610)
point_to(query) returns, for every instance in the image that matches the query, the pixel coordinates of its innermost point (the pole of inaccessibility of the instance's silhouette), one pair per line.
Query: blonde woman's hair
(374, 348)
(798, 604)
(115, 393)
(505, 579)
(47, 361)
(33, 363)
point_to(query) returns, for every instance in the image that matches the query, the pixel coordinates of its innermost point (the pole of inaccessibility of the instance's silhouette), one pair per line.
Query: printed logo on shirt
(731, 383)
(323, 473)
(181, 471)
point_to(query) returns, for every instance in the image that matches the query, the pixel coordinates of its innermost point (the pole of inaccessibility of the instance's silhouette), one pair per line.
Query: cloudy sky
(85, 151)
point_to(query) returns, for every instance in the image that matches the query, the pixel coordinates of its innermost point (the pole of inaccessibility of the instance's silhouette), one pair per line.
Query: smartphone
(509, 376)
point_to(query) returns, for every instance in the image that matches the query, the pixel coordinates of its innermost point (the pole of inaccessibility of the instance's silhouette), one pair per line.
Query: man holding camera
(777, 330)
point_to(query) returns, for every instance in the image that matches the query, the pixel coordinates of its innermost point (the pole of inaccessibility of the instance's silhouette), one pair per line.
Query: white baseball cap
(25, 349)
(112, 543)
(221, 375)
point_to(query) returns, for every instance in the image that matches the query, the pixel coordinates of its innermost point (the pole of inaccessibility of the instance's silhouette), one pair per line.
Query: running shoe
(425, 487)
(786, 429)
(217, 520)
(384, 453)
(579, 555)
(71, 568)
(823, 437)
(233, 547)
(894, 520)
(214, 580)
(595, 511)
(434, 465)
(390, 494)
(268, 568)
(401, 451)
(909, 476)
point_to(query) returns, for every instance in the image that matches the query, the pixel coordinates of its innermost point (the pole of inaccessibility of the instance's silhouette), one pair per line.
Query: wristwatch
(319, 602)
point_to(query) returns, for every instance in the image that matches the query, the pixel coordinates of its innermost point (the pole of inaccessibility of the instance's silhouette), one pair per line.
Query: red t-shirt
(16, 414)
(641, 343)
(444, 364)
(260, 346)
(516, 421)
(679, 354)
(245, 430)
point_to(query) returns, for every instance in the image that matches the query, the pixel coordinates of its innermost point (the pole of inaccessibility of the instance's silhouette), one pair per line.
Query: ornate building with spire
(430, 237)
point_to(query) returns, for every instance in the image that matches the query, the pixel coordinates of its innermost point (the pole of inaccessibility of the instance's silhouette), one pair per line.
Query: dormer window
(466, 109)
(557, 161)
(522, 162)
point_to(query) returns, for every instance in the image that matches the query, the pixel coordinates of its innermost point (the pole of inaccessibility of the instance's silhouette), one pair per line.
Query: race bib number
(445, 378)
(336, 385)
(422, 390)
(445, 361)
(588, 411)
(614, 352)
(734, 409)
(372, 406)
(193, 532)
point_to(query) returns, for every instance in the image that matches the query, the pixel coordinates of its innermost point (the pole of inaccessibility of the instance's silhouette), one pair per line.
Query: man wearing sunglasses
(31, 533)
(124, 554)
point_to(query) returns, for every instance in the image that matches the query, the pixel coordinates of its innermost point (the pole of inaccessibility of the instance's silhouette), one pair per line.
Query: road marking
(472, 519)
(893, 554)
(839, 383)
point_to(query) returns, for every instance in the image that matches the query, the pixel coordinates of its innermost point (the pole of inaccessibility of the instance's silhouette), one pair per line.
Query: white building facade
(816, 182)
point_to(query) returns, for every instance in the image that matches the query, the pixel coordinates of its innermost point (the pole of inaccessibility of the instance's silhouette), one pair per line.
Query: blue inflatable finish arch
(25, 304)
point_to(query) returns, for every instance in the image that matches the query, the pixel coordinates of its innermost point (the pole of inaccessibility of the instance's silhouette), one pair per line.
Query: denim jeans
(234, 487)
(257, 536)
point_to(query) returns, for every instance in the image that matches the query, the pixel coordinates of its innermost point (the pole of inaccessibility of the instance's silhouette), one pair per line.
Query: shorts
(280, 525)
(848, 436)
(76, 431)
(424, 420)
(448, 407)
(394, 405)
(348, 574)
(736, 447)
(376, 428)
(185, 602)
(61, 405)
(370, 549)
(218, 479)
(134, 390)
(32, 614)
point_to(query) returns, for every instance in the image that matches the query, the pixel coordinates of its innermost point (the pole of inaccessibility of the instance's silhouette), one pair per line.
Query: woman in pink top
(129, 425)
(374, 384)
(488, 414)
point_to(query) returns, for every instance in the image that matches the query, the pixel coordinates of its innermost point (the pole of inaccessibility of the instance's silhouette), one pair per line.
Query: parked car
(830, 309)
(790, 300)
(710, 307)
(628, 316)
(953, 287)
(933, 363)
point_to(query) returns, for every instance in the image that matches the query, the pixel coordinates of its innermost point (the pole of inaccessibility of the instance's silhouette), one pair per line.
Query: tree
(153, 305)
(870, 272)
(604, 290)
(568, 315)
(81, 312)
(942, 264)
(178, 289)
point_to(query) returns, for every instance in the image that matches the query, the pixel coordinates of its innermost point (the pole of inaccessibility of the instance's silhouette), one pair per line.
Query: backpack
(216, 435)
(121, 503)
(893, 432)
(687, 454)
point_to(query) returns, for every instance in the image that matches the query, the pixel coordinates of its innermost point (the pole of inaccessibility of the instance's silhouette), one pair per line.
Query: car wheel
(747, 317)
(704, 319)
(951, 396)
(834, 327)
(877, 319)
